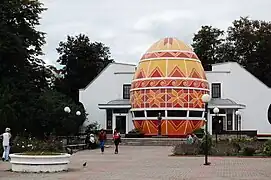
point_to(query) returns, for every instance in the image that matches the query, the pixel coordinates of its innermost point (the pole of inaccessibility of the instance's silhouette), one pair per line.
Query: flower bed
(231, 147)
(35, 155)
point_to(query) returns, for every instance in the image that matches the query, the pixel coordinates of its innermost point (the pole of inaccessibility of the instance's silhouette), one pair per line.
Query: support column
(210, 122)
(233, 120)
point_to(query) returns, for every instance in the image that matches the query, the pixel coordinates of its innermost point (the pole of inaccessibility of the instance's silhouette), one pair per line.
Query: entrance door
(217, 124)
(121, 124)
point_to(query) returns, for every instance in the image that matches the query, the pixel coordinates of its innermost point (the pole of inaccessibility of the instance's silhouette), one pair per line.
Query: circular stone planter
(39, 163)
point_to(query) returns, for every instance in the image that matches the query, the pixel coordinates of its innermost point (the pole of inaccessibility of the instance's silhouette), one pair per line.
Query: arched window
(269, 114)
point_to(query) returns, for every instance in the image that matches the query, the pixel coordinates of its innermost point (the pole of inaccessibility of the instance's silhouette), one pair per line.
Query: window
(195, 113)
(120, 111)
(229, 122)
(216, 90)
(269, 114)
(176, 113)
(109, 119)
(138, 114)
(155, 113)
(126, 91)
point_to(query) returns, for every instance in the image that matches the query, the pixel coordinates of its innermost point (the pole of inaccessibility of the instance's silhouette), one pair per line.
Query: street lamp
(238, 115)
(159, 123)
(206, 98)
(216, 111)
(68, 110)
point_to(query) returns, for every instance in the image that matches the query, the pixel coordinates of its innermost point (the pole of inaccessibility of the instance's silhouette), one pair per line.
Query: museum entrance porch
(226, 119)
(117, 115)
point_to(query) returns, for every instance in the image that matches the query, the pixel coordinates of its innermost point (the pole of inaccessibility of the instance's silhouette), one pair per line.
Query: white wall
(106, 87)
(242, 87)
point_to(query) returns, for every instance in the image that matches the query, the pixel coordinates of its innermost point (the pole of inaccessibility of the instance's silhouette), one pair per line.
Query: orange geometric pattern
(171, 98)
(169, 44)
(170, 83)
(190, 55)
(168, 127)
(169, 75)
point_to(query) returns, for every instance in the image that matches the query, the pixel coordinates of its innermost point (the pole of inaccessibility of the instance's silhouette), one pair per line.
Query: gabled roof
(118, 103)
(127, 64)
(226, 103)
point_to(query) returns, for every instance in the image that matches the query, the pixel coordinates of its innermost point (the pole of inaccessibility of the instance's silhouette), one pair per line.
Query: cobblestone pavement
(150, 163)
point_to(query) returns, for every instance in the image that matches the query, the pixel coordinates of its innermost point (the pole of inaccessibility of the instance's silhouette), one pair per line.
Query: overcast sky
(129, 27)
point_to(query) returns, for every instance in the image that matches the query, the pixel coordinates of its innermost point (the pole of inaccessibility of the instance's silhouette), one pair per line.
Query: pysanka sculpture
(169, 80)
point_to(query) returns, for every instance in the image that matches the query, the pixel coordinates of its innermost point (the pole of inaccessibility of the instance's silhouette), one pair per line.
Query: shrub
(93, 128)
(249, 151)
(267, 148)
(202, 146)
(199, 132)
(135, 133)
(26, 145)
(186, 149)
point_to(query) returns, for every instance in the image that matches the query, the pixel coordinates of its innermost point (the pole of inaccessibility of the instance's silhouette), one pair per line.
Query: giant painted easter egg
(169, 80)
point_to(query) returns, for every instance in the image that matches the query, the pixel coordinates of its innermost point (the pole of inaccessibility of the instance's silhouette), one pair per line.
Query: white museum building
(243, 100)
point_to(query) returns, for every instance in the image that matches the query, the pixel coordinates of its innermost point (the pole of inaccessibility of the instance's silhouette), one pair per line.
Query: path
(150, 163)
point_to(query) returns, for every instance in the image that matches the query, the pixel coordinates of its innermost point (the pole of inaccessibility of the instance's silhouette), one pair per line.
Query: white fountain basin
(39, 163)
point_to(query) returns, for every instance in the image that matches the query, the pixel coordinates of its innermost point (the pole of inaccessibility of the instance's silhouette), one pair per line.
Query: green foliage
(202, 146)
(32, 145)
(199, 132)
(206, 44)
(267, 148)
(135, 133)
(82, 61)
(248, 151)
(28, 104)
(185, 149)
(93, 128)
(246, 42)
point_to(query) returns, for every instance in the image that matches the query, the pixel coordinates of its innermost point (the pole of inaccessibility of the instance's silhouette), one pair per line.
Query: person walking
(102, 138)
(6, 144)
(117, 140)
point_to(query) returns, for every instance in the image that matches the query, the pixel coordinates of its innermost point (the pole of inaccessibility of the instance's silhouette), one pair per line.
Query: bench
(77, 146)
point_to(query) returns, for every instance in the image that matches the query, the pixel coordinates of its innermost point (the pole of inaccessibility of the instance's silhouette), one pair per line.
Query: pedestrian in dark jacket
(102, 139)
(117, 140)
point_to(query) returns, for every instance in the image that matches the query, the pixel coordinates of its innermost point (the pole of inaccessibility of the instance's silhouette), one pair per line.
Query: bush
(199, 132)
(249, 151)
(26, 145)
(186, 149)
(93, 128)
(267, 148)
(202, 146)
(135, 133)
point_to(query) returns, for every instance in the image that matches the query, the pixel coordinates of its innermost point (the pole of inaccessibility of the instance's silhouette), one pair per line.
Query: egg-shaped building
(169, 80)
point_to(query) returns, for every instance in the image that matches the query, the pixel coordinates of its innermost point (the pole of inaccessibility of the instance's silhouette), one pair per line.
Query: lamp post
(159, 123)
(238, 115)
(216, 111)
(206, 98)
(68, 110)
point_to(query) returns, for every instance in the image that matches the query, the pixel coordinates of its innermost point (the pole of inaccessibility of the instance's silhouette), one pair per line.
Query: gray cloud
(130, 27)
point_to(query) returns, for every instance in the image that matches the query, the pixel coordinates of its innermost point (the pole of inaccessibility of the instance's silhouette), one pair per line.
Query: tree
(27, 101)
(251, 41)
(20, 42)
(206, 44)
(247, 42)
(82, 61)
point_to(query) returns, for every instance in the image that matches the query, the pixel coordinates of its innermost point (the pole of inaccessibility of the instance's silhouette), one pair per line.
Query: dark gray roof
(119, 102)
(224, 102)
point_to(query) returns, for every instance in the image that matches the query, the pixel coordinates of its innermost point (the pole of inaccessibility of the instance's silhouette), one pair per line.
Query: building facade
(232, 88)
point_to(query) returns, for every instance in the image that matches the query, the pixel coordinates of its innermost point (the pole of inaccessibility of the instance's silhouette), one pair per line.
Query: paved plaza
(150, 163)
